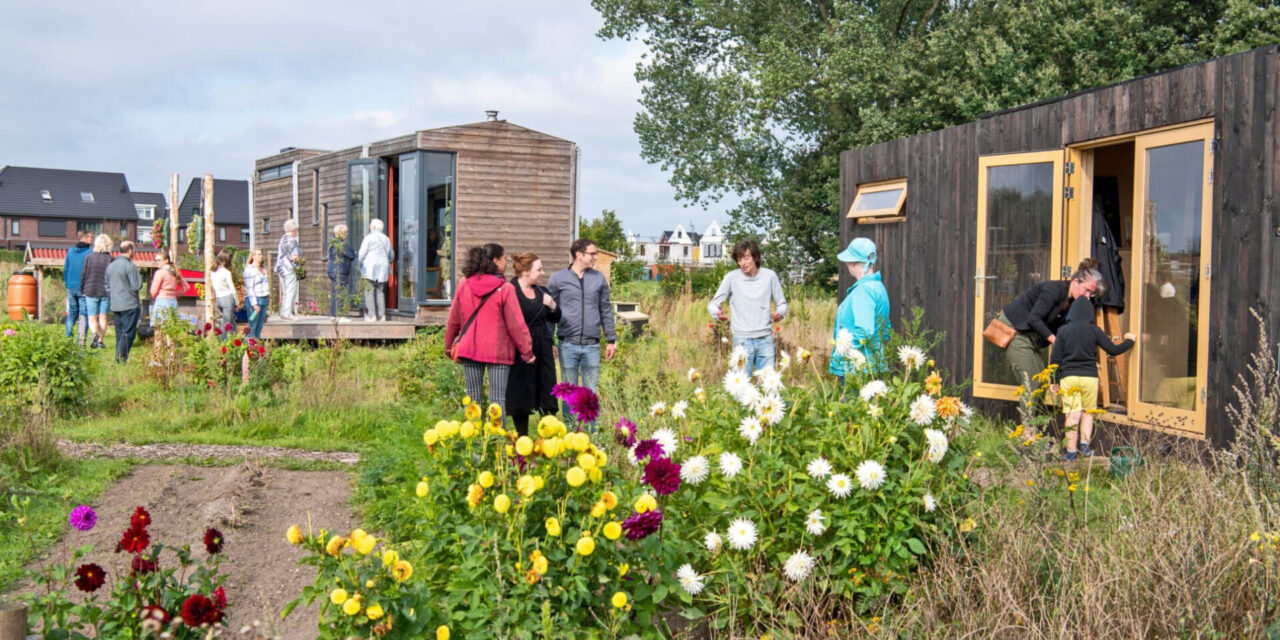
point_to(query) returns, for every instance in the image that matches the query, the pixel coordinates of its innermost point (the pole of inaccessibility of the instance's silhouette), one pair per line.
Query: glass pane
(360, 185)
(877, 200)
(439, 206)
(1019, 237)
(407, 252)
(1170, 275)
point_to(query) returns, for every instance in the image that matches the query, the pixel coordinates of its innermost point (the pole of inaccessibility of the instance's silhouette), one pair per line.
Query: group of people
(97, 285)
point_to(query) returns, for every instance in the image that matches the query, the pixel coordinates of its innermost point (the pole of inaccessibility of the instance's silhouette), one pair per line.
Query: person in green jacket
(863, 315)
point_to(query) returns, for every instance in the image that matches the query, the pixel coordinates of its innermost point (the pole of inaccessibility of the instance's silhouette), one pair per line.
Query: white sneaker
(370, 319)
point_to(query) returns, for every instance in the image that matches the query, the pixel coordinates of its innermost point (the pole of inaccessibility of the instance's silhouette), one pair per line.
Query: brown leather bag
(999, 333)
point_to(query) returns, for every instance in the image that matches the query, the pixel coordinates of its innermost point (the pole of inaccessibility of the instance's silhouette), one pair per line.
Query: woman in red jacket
(486, 327)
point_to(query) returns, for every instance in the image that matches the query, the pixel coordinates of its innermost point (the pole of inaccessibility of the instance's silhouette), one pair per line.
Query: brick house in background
(149, 207)
(49, 206)
(230, 211)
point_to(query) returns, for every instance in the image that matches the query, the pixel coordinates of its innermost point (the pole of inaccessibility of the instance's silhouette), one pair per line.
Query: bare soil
(178, 451)
(252, 506)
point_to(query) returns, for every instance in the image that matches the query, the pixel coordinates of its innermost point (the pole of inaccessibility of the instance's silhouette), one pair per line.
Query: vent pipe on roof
(491, 115)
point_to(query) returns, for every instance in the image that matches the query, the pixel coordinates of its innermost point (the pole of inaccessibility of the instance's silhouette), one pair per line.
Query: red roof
(60, 253)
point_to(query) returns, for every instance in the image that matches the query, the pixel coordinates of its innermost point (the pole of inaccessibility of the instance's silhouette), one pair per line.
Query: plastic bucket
(22, 296)
(1124, 460)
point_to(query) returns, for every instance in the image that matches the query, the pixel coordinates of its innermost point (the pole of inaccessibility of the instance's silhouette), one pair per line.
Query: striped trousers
(473, 373)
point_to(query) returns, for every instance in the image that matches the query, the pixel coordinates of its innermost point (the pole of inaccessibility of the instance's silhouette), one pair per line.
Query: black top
(529, 385)
(1075, 350)
(93, 277)
(338, 260)
(1042, 308)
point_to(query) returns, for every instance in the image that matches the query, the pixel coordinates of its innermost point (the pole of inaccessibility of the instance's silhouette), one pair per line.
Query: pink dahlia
(663, 475)
(83, 518)
(584, 404)
(639, 526)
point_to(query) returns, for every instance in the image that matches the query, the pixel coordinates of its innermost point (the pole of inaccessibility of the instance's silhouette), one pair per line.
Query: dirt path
(252, 506)
(178, 451)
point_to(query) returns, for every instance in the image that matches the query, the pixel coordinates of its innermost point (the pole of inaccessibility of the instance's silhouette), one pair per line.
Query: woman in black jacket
(1037, 314)
(529, 385)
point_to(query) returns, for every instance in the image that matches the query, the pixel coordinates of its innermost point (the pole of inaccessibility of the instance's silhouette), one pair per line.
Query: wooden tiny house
(438, 191)
(1182, 167)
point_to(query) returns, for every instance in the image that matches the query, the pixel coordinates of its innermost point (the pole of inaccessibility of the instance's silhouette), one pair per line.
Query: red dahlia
(89, 577)
(135, 540)
(224, 349)
(212, 541)
(237, 342)
(663, 475)
(198, 610)
(143, 565)
(220, 599)
(141, 519)
(155, 612)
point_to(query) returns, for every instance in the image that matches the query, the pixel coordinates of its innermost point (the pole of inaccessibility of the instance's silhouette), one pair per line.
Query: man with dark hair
(123, 282)
(71, 268)
(751, 291)
(582, 294)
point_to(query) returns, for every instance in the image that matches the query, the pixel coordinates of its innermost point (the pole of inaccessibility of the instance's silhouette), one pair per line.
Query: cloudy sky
(149, 88)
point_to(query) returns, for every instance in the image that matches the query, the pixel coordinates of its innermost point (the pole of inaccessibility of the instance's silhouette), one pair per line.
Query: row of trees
(756, 98)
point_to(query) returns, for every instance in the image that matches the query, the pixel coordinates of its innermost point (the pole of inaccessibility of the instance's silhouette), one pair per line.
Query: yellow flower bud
(587, 461)
(338, 596)
(576, 476)
(501, 503)
(486, 479)
(374, 611)
(351, 607)
(585, 546)
(619, 600)
(442, 632)
(553, 527)
(421, 489)
(539, 482)
(595, 475)
(390, 557)
(293, 535)
(368, 584)
(612, 530)
(524, 446)
(623, 569)
(598, 510)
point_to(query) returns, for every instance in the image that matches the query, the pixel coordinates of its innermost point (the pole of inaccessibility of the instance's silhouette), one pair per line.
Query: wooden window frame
(887, 214)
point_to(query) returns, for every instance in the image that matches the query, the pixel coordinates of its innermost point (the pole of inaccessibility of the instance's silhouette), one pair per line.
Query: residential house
(50, 206)
(230, 211)
(149, 206)
(681, 247)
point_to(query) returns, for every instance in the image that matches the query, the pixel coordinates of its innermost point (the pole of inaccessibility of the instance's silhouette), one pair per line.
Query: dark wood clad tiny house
(438, 191)
(1181, 166)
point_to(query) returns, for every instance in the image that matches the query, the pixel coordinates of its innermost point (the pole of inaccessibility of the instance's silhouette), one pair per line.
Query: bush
(425, 373)
(41, 370)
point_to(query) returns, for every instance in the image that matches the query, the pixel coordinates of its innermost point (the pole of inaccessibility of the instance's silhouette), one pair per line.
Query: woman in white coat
(375, 267)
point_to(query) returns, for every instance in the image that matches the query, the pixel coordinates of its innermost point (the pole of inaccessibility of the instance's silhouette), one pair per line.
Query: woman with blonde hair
(93, 284)
(338, 266)
(257, 291)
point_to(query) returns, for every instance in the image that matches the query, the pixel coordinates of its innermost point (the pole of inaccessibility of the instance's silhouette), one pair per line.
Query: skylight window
(86, 196)
(45, 195)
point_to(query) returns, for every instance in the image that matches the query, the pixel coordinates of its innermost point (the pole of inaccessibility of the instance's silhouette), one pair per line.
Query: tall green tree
(606, 231)
(758, 97)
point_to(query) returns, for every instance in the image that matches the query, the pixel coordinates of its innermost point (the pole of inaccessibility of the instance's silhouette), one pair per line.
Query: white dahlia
(923, 410)
(730, 464)
(738, 358)
(873, 389)
(678, 409)
(668, 439)
(695, 470)
(750, 428)
(712, 541)
(798, 566)
(911, 357)
(819, 467)
(929, 503)
(937, 445)
(689, 579)
(870, 475)
(814, 523)
(840, 485)
(742, 534)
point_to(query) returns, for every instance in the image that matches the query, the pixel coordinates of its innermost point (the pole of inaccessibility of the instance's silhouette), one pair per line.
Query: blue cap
(860, 250)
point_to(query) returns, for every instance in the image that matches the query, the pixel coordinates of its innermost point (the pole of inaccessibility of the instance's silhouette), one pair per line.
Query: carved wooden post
(13, 621)
(173, 220)
(208, 247)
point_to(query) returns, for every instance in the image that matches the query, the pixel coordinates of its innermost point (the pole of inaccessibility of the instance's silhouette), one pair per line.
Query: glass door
(1019, 244)
(366, 190)
(408, 255)
(1172, 227)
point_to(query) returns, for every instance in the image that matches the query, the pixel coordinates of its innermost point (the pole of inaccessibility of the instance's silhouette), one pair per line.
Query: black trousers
(126, 330)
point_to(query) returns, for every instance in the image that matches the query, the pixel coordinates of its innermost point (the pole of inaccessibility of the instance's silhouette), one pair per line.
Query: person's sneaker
(1086, 450)
(1069, 456)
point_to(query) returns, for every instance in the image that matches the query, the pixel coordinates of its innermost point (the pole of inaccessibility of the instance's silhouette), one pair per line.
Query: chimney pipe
(491, 115)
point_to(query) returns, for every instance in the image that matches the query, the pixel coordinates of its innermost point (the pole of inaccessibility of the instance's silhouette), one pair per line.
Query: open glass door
(408, 255)
(366, 190)
(1019, 244)
(1170, 298)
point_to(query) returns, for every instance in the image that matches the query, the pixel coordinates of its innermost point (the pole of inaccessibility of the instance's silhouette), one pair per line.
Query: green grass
(51, 494)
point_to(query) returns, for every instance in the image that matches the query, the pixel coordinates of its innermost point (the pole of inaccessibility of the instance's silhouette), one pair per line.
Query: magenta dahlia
(584, 404)
(651, 449)
(663, 475)
(83, 518)
(639, 526)
(563, 390)
(625, 433)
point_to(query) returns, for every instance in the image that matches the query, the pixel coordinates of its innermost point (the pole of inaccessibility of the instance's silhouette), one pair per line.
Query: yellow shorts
(1078, 393)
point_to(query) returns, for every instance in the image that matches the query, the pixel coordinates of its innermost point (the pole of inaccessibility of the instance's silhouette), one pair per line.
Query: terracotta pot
(22, 296)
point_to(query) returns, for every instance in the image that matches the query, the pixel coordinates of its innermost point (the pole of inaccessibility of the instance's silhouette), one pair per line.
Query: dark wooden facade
(928, 259)
(514, 186)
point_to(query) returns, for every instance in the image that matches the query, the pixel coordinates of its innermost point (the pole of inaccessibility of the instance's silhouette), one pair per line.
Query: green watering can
(1124, 460)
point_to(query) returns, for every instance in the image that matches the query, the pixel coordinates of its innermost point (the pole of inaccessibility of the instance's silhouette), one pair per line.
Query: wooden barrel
(22, 296)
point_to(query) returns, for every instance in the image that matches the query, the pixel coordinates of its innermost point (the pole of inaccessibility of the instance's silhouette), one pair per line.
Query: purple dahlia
(83, 518)
(563, 390)
(584, 404)
(625, 433)
(639, 526)
(663, 475)
(651, 449)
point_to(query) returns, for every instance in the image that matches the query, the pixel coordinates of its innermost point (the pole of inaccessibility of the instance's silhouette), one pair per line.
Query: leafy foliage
(40, 369)
(606, 231)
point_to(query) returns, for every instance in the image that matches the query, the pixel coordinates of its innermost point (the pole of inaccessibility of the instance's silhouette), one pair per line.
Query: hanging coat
(1107, 253)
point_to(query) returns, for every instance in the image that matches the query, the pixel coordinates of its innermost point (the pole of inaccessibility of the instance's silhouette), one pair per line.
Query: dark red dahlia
(217, 331)
(208, 326)
(226, 327)
(584, 404)
(89, 577)
(224, 350)
(237, 342)
(143, 565)
(650, 449)
(155, 612)
(625, 433)
(135, 540)
(198, 610)
(639, 526)
(220, 599)
(212, 541)
(663, 475)
(140, 519)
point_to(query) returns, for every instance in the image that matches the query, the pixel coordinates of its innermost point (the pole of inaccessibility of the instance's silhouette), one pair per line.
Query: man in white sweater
(751, 291)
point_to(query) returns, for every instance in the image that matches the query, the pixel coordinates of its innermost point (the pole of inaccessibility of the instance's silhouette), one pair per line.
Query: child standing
(1075, 352)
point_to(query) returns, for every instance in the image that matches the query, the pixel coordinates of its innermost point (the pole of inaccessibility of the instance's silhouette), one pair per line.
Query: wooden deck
(322, 328)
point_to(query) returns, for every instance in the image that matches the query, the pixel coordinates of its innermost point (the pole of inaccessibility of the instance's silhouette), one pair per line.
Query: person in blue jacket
(864, 312)
(71, 266)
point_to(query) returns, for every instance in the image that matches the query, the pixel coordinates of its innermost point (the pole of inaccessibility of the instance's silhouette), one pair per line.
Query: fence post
(207, 209)
(13, 621)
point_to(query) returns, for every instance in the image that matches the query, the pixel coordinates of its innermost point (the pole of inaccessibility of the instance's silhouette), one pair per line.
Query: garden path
(252, 506)
(180, 451)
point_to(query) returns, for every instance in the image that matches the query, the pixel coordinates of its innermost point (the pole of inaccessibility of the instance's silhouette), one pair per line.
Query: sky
(152, 88)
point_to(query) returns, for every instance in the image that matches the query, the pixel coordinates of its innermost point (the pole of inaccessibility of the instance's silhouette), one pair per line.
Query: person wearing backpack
(486, 330)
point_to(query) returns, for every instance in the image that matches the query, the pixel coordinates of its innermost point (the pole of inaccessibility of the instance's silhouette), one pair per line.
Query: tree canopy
(606, 231)
(758, 97)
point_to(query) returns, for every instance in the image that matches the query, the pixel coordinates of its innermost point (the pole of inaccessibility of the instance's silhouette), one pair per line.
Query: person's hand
(1053, 388)
(256, 308)
(1130, 336)
(1052, 338)
(531, 359)
(555, 352)
(777, 317)
(721, 315)
(609, 350)
(549, 301)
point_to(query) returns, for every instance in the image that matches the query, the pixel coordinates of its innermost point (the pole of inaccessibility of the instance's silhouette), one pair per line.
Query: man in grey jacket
(582, 294)
(751, 291)
(123, 283)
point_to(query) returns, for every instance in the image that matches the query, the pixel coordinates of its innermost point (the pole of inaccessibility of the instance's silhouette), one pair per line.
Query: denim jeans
(126, 329)
(255, 322)
(76, 309)
(580, 365)
(759, 352)
(162, 308)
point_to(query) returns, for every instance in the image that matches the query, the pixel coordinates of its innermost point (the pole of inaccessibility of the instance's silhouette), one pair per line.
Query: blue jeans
(580, 365)
(76, 309)
(126, 330)
(255, 322)
(759, 352)
(162, 307)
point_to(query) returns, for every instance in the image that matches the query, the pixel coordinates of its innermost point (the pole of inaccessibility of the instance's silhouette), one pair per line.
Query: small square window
(244, 235)
(45, 195)
(86, 196)
(879, 201)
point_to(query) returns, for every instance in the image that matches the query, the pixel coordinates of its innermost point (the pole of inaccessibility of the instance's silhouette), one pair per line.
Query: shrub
(40, 369)
(425, 372)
